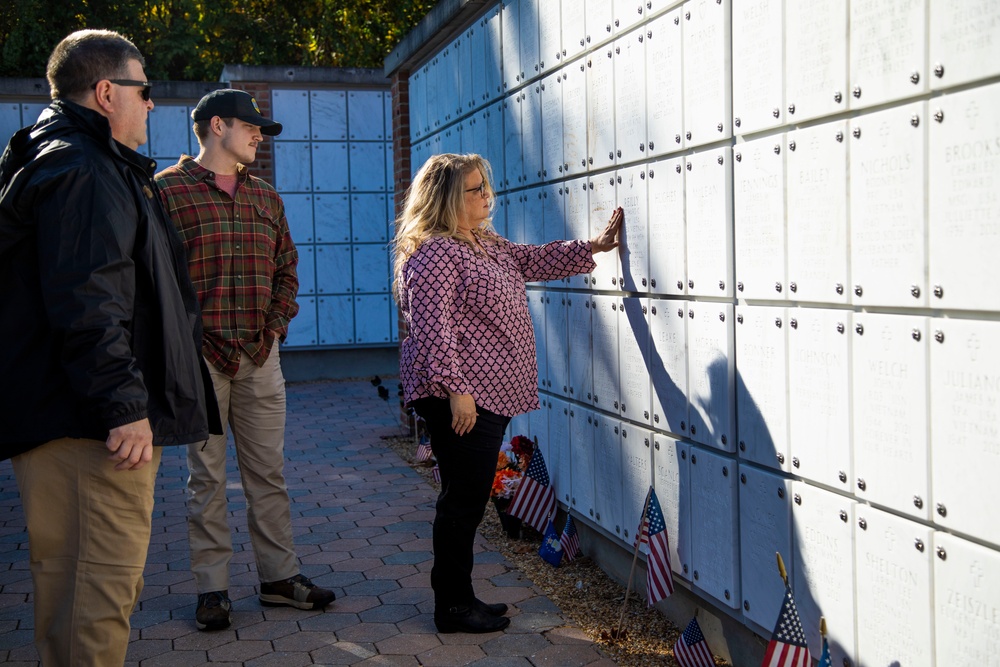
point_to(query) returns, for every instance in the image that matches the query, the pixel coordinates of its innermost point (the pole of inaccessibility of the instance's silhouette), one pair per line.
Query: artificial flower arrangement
(512, 462)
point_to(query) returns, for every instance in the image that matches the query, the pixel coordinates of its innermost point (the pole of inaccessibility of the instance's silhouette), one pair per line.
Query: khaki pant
(253, 405)
(88, 532)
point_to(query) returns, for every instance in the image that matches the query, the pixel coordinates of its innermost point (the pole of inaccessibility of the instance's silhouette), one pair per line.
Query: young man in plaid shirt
(242, 263)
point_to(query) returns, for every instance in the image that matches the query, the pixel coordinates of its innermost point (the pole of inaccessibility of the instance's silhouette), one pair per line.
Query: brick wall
(400, 135)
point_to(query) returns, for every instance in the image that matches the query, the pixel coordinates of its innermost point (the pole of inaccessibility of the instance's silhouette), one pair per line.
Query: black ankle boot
(497, 609)
(468, 618)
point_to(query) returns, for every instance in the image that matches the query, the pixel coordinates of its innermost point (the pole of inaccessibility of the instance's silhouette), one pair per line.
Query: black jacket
(102, 326)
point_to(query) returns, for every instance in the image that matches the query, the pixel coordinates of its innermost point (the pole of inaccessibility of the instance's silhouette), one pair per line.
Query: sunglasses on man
(145, 85)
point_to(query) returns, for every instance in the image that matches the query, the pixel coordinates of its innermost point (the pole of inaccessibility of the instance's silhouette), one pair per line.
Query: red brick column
(401, 172)
(263, 166)
(400, 136)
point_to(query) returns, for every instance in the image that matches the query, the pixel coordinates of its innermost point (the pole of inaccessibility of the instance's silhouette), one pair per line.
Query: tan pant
(88, 532)
(253, 405)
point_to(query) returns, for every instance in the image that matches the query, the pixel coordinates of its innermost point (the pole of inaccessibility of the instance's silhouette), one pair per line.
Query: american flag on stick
(436, 474)
(787, 647)
(691, 650)
(534, 501)
(570, 539)
(424, 451)
(653, 531)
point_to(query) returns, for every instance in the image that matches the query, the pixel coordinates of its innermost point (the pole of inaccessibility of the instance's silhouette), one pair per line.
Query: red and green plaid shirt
(241, 259)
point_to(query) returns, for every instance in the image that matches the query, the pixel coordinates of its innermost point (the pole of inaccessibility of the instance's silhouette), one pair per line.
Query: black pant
(468, 464)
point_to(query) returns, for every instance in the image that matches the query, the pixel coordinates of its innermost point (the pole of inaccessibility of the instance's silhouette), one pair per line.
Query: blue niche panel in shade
(761, 388)
(330, 173)
(511, 48)
(369, 218)
(371, 267)
(302, 330)
(531, 133)
(299, 213)
(371, 318)
(329, 115)
(765, 527)
(333, 269)
(368, 166)
(557, 458)
(306, 269)
(527, 17)
(557, 343)
(10, 119)
(552, 126)
(604, 328)
(536, 306)
(668, 365)
(633, 360)
(551, 216)
(715, 541)
(637, 477)
(387, 106)
(578, 322)
(169, 132)
(292, 167)
(581, 438)
(336, 320)
(672, 481)
(365, 109)
(333, 218)
(291, 109)
(513, 174)
(607, 454)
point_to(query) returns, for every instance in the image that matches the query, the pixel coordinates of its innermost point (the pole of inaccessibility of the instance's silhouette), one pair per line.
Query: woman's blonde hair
(435, 202)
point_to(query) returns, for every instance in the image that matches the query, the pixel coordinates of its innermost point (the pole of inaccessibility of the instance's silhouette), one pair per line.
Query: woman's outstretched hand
(607, 239)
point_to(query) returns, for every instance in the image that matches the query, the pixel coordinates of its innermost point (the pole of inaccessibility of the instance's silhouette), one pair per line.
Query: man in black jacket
(103, 361)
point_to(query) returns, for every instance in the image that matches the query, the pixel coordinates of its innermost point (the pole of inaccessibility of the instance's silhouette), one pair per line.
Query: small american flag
(787, 647)
(436, 473)
(659, 577)
(570, 540)
(691, 650)
(424, 452)
(534, 501)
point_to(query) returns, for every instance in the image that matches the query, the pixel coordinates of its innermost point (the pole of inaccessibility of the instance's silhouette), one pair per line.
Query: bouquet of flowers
(511, 464)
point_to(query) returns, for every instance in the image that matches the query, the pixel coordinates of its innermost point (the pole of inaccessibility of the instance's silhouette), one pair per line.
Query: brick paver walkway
(362, 520)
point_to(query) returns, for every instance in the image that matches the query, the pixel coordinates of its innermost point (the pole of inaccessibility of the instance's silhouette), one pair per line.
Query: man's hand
(131, 444)
(607, 239)
(463, 412)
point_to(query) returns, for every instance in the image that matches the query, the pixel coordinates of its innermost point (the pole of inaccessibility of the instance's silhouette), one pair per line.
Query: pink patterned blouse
(469, 325)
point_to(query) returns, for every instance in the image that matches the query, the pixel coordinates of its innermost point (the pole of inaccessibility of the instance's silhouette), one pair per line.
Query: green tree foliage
(194, 39)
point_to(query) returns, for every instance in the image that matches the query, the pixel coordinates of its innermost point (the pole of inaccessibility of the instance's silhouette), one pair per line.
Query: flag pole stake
(635, 557)
(781, 568)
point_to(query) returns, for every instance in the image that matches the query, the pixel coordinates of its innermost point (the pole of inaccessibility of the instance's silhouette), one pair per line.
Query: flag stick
(781, 568)
(635, 557)
(822, 626)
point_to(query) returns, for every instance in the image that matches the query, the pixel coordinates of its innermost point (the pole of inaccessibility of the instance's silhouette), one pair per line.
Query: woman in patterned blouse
(468, 362)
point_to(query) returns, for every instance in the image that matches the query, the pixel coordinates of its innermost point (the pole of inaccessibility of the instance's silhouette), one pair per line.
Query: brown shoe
(297, 591)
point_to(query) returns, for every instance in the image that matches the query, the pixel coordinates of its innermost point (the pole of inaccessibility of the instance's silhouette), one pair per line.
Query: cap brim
(271, 130)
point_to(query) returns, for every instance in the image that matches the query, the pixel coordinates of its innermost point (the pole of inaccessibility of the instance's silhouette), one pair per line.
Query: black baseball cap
(229, 103)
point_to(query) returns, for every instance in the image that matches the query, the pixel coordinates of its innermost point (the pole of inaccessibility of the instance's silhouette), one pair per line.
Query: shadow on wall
(734, 543)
